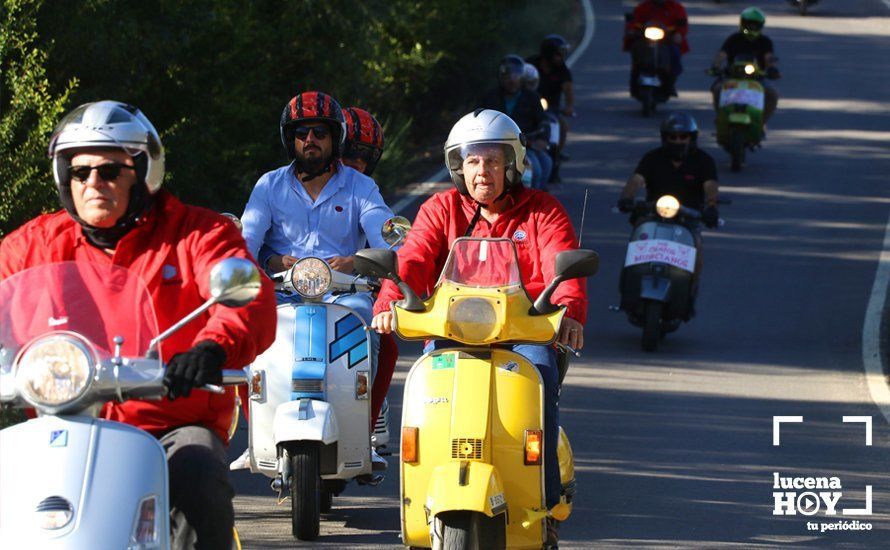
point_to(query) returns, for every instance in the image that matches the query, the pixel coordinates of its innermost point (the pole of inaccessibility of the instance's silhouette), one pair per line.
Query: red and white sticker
(662, 251)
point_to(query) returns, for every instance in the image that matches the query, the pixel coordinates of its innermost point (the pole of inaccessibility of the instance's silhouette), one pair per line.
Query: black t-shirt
(550, 84)
(737, 44)
(686, 182)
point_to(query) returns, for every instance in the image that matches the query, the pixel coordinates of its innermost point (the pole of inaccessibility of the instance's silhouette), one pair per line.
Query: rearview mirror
(235, 282)
(383, 264)
(395, 230)
(569, 264)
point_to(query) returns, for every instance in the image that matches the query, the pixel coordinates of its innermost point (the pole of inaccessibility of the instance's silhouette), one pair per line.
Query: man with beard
(316, 206)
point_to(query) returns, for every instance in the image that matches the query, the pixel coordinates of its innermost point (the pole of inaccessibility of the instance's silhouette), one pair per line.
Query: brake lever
(568, 349)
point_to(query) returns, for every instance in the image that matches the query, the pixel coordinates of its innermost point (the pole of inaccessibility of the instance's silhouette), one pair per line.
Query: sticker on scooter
(497, 501)
(741, 96)
(435, 400)
(58, 438)
(661, 251)
(444, 361)
(509, 366)
(349, 337)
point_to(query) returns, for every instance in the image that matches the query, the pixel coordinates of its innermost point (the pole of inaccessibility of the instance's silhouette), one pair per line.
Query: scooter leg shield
(467, 485)
(305, 420)
(655, 288)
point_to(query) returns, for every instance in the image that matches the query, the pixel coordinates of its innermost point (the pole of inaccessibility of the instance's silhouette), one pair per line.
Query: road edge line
(434, 182)
(872, 357)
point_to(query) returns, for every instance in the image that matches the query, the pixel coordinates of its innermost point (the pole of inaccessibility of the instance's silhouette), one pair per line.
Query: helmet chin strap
(311, 175)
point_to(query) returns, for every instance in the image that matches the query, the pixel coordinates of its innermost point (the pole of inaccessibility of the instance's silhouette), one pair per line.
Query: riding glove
(710, 217)
(200, 365)
(625, 204)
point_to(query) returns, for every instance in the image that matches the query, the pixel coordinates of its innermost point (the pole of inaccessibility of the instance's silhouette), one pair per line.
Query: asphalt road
(675, 448)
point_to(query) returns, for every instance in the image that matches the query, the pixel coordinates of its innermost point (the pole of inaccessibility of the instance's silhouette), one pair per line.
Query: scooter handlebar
(231, 377)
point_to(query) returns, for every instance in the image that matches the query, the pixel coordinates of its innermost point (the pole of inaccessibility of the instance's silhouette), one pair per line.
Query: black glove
(710, 217)
(192, 369)
(625, 204)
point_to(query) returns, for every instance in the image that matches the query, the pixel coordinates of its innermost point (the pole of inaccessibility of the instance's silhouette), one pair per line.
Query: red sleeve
(12, 254)
(417, 258)
(244, 332)
(556, 234)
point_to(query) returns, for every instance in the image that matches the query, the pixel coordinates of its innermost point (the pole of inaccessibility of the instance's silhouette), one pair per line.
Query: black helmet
(553, 44)
(679, 123)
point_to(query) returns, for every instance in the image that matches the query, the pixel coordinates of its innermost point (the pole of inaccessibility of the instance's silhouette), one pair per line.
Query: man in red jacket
(108, 164)
(485, 155)
(672, 15)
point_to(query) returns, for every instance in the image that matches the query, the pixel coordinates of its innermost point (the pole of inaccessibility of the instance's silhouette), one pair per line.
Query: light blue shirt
(281, 214)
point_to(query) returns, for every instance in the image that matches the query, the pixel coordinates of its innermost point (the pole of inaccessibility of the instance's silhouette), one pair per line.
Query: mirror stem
(185, 320)
(542, 305)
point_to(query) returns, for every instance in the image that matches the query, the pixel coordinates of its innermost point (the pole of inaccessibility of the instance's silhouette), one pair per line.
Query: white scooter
(310, 427)
(73, 336)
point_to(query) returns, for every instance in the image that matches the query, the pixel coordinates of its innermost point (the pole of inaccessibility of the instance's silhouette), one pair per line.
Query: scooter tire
(464, 530)
(737, 150)
(803, 4)
(647, 97)
(652, 326)
(305, 490)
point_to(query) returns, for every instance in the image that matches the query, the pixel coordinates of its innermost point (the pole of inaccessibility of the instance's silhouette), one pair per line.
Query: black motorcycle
(659, 279)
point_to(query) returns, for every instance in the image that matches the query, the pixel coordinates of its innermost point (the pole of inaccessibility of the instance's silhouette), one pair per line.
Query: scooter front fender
(305, 420)
(474, 486)
(655, 288)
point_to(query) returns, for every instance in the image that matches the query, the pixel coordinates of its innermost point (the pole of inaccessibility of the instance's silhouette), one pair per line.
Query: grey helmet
(530, 77)
(490, 127)
(108, 124)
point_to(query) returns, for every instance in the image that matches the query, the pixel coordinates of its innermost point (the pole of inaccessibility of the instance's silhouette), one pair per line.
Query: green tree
(28, 112)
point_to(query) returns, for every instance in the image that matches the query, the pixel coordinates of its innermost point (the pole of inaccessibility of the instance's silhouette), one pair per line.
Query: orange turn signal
(409, 444)
(534, 443)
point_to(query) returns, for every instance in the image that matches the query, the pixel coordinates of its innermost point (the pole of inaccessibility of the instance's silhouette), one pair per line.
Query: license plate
(661, 251)
(647, 80)
(741, 96)
(739, 118)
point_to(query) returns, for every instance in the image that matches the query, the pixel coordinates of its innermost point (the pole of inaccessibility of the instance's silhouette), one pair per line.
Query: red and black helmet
(310, 107)
(364, 137)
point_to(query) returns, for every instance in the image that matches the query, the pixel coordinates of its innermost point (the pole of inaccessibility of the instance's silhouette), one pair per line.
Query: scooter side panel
(103, 468)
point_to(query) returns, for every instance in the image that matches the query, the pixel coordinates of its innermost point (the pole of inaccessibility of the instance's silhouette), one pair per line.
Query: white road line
(871, 331)
(432, 184)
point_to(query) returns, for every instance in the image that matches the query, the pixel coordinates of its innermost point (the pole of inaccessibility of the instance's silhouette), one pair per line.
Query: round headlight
(472, 319)
(667, 206)
(653, 33)
(749, 69)
(311, 277)
(55, 370)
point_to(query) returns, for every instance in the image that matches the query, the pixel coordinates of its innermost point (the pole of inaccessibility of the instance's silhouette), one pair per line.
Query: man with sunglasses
(108, 164)
(316, 206)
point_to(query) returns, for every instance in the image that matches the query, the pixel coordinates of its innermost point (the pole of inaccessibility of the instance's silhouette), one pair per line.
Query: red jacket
(535, 221)
(671, 14)
(172, 252)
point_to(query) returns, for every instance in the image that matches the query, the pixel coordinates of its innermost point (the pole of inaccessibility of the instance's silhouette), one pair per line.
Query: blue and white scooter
(74, 335)
(310, 428)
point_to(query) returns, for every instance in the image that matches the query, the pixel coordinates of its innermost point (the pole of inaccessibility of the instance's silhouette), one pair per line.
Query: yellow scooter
(472, 452)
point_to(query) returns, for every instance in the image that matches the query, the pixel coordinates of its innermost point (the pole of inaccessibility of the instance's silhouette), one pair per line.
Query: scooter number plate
(650, 81)
(741, 96)
(661, 251)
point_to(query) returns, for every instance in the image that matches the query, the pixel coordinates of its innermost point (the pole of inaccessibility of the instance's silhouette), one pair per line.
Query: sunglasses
(320, 132)
(678, 137)
(361, 152)
(108, 172)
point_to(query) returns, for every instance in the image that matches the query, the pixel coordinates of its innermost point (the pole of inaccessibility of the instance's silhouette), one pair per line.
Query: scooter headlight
(54, 513)
(667, 206)
(544, 104)
(653, 33)
(472, 319)
(749, 69)
(311, 277)
(55, 371)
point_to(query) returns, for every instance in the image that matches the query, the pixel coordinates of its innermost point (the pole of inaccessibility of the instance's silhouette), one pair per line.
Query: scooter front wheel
(305, 490)
(652, 326)
(647, 97)
(737, 149)
(464, 530)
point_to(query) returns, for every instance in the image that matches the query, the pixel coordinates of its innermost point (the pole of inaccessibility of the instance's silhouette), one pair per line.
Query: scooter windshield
(482, 263)
(98, 302)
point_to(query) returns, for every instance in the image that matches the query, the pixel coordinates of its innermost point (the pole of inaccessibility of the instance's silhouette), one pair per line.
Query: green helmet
(751, 22)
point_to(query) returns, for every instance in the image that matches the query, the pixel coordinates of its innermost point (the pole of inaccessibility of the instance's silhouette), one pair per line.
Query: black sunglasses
(108, 172)
(320, 132)
(361, 152)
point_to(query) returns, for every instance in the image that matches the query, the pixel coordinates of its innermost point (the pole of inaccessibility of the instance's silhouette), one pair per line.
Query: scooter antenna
(583, 212)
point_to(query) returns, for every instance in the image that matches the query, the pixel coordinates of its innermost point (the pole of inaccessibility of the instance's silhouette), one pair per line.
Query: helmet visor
(359, 151)
(750, 26)
(497, 155)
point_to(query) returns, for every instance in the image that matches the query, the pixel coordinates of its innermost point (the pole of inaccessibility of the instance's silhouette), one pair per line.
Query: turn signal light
(409, 444)
(534, 443)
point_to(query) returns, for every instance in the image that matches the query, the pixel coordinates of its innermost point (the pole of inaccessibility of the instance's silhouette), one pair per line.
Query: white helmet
(485, 126)
(530, 77)
(108, 124)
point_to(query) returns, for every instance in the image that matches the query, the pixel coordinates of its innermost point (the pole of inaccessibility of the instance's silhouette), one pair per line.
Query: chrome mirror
(395, 230)
(234, 219)
(234, 282)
